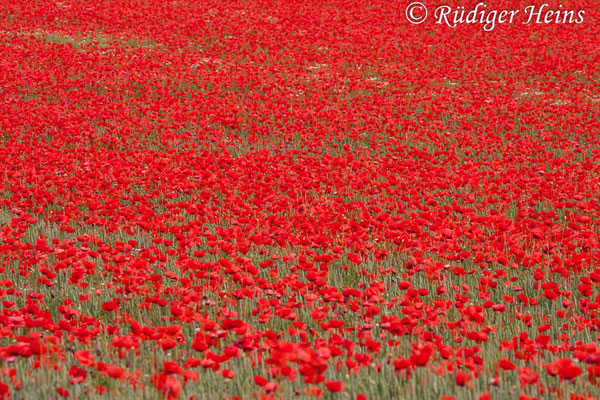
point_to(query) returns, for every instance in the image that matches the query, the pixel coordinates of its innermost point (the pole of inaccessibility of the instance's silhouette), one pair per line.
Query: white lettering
(441, 13)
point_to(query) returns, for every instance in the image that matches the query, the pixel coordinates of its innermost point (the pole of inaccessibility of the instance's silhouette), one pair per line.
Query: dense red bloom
(85, 358)
(111, 305)
(307, 191)
(168, 385)
(401, 364)
(171, 368)
(421, 354)
(334, 386)
(527, 376)
(227, 374)
(111, 370)
(260, 381)
(564, 368)
(270, 387)
(462, 378)
(78, 375)
(506, 364)
(525, 397)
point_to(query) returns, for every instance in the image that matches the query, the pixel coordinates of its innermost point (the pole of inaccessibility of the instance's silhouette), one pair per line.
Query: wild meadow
(297, 200)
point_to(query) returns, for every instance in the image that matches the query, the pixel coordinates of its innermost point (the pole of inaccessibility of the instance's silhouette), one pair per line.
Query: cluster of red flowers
(296, 197)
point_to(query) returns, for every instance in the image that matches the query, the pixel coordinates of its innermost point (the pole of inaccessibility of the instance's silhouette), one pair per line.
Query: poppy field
(297, 200)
